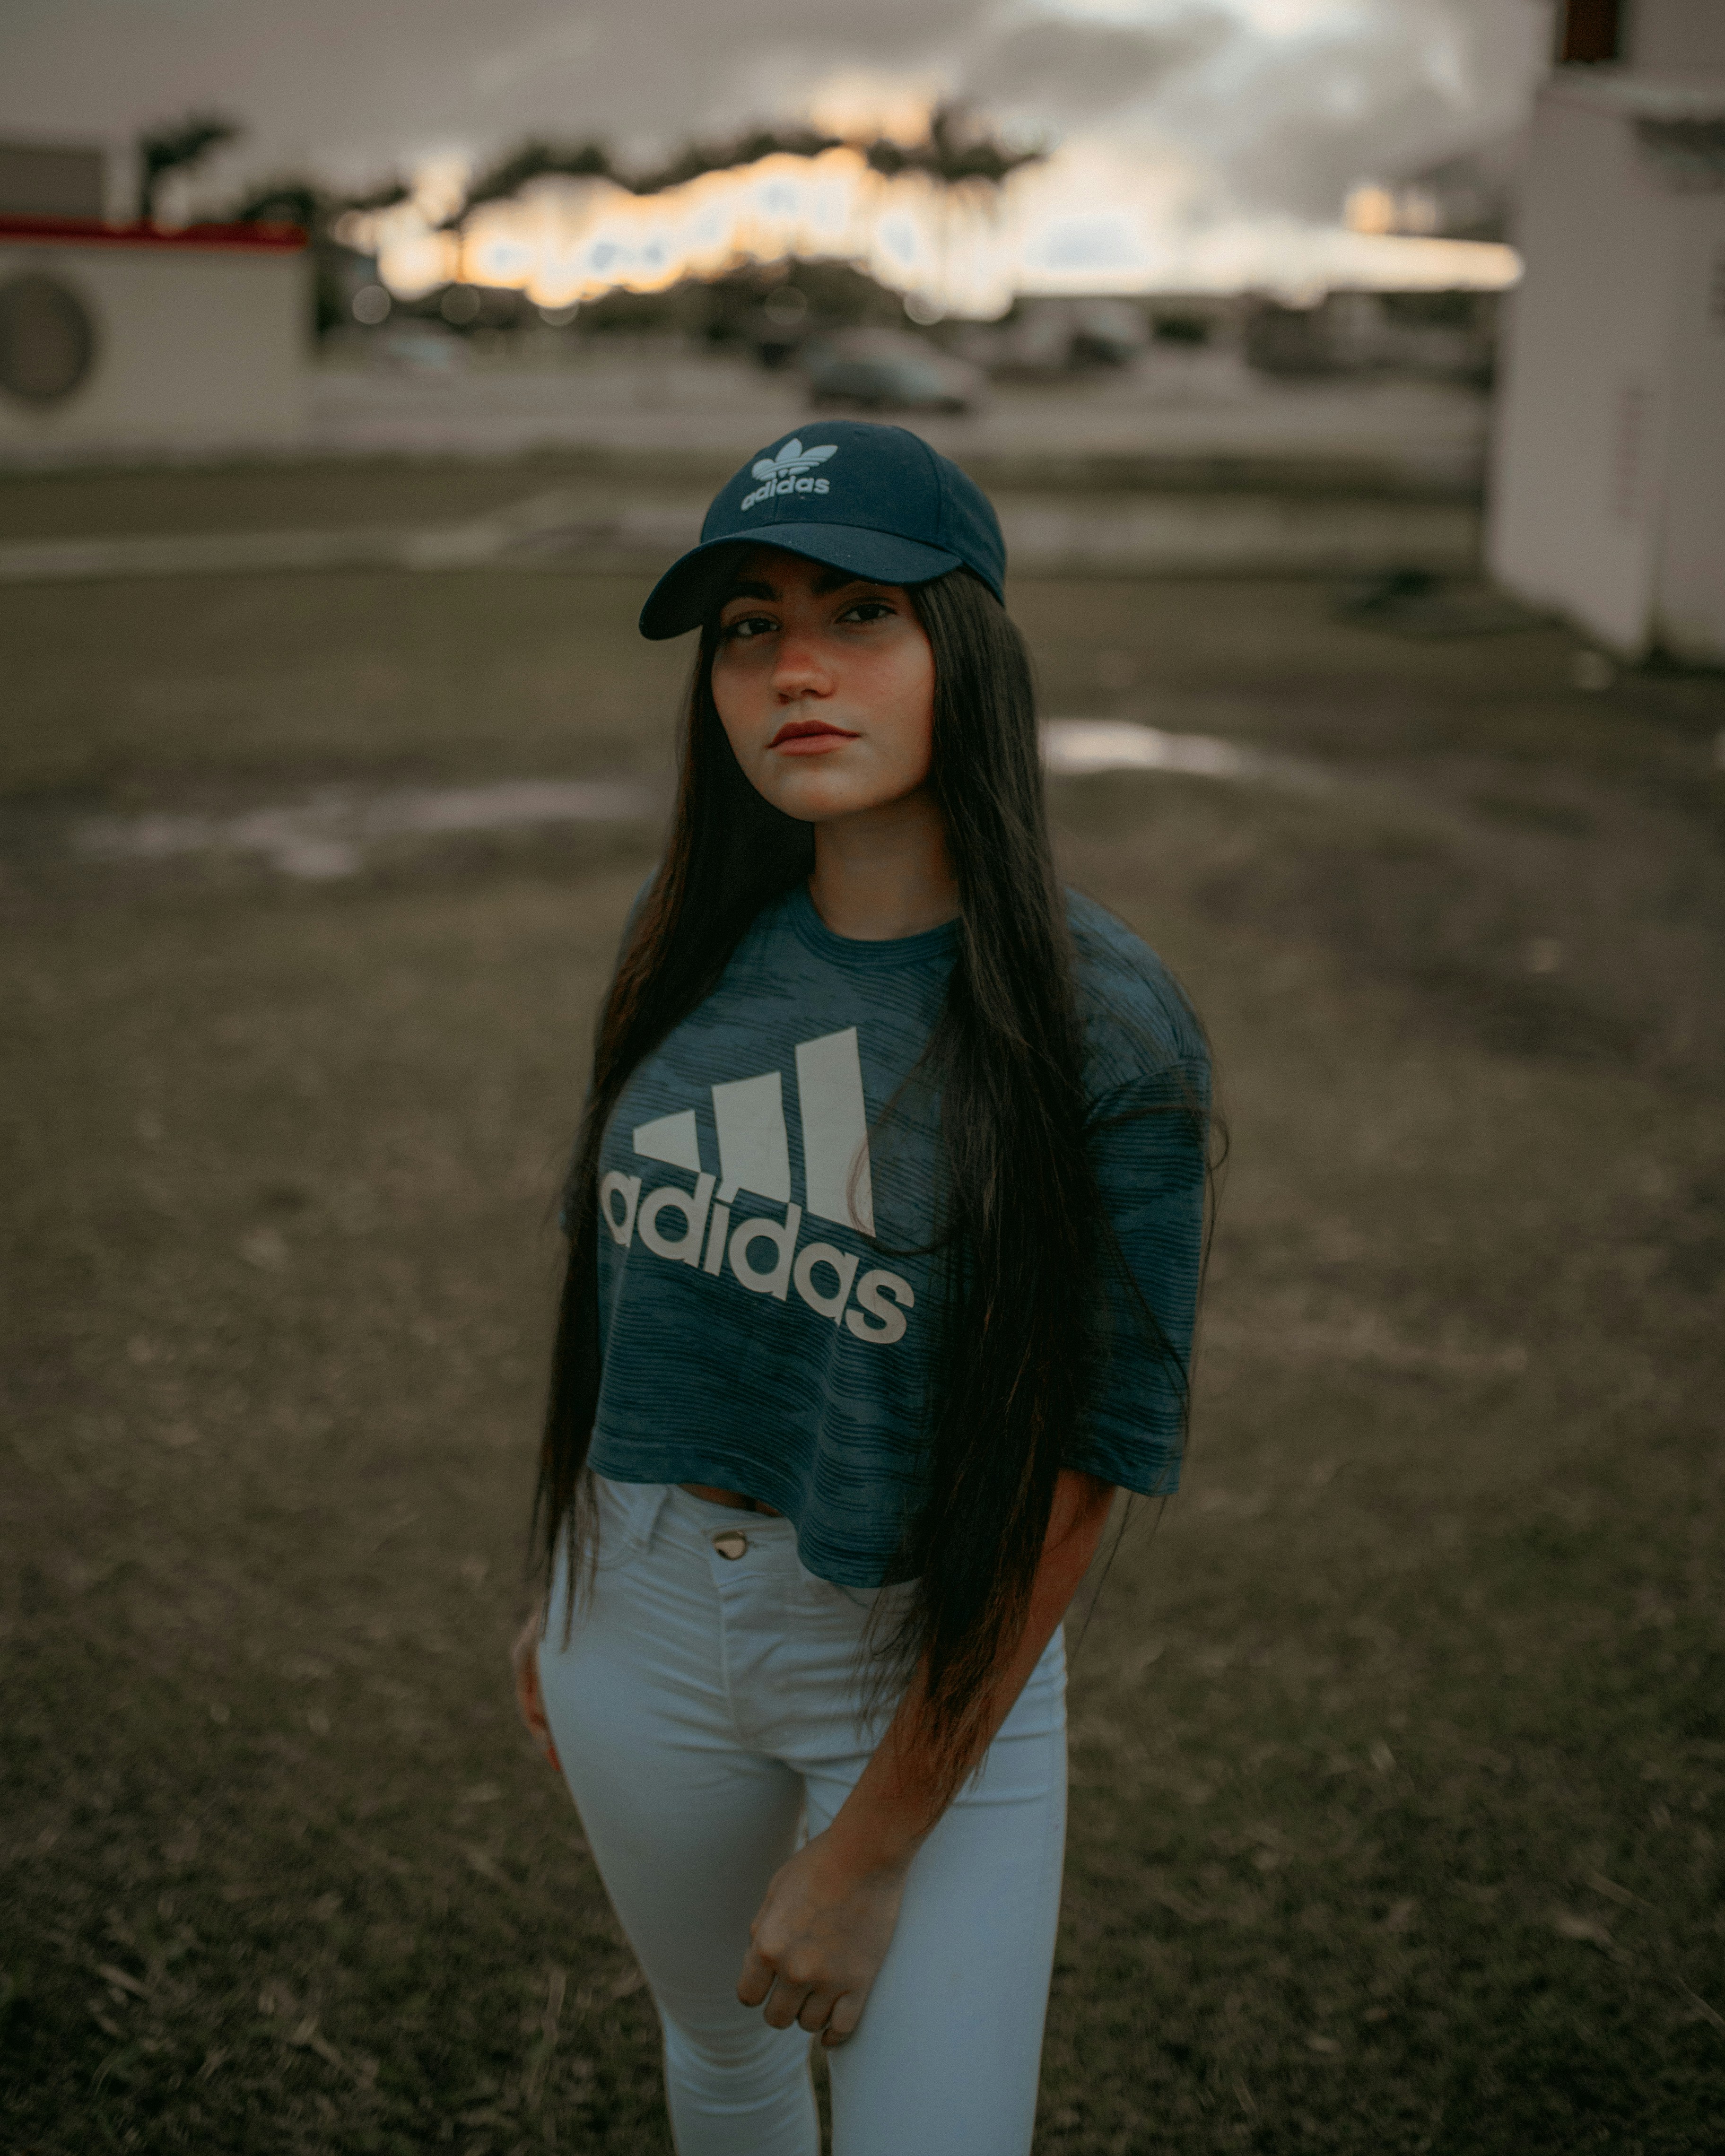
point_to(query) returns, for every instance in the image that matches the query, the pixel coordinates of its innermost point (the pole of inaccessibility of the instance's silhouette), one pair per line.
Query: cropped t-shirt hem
(1138, 1477)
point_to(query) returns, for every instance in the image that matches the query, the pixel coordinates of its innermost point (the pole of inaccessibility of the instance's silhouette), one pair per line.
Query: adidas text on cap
(853, 495)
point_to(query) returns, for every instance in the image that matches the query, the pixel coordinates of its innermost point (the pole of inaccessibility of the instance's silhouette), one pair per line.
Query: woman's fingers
(847, 2012)
(781, 2007)
(786, 2000)
(816, 2011)
(818, 1942)
(757, 1979)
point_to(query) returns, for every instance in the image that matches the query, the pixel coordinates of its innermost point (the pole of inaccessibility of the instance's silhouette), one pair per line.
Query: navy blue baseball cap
(874, 500)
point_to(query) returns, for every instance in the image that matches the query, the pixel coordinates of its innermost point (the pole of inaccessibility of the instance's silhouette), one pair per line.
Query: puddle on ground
(522, 534)
(330, 834)
(1072, 748)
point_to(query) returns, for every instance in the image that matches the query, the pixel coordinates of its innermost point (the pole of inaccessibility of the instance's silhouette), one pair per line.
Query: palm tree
(173, 148)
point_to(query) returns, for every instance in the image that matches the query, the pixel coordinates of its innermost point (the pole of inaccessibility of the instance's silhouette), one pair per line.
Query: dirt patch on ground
(1399, 1755)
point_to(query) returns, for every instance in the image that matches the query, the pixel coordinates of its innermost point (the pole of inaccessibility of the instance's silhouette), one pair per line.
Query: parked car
(890, 370)
(1044, 339)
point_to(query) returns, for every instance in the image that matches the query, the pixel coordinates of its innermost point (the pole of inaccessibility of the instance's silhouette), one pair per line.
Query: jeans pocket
(877, 1610)
(626, 1514)
(822, 1598)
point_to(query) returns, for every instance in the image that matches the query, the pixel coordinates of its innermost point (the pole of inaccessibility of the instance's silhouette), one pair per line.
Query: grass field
(1398, 1745)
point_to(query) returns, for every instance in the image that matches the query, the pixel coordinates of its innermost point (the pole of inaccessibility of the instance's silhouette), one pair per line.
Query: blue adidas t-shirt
(766, 1293)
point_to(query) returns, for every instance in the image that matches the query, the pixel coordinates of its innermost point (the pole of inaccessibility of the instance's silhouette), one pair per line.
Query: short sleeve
(1149, 1139)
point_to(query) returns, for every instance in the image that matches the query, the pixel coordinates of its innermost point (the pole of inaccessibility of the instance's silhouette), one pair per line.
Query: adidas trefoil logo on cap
(788, 471)
(793, 458)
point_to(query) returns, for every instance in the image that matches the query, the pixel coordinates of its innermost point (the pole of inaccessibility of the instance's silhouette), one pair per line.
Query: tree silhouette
(748, 148)
(293, 199)
(532, 160)
(173, 148)
(957, 149)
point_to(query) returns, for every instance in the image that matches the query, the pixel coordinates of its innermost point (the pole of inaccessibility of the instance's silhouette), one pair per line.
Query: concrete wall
(1676, 37)
(1689, 584)
(48, 179)
(197, 349)
(1580, 413)
(1607, 488)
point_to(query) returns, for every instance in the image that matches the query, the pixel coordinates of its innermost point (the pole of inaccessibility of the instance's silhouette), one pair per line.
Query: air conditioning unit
(128, 340)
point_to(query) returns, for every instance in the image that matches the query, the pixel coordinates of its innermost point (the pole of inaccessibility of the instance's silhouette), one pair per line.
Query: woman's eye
(745, 626)
(868, 610)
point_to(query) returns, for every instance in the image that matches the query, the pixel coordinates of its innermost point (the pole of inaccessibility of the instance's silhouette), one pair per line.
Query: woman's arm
(823, 1928)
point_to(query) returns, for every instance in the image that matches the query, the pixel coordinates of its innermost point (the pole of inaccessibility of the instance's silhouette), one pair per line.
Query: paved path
(1204, 408)
(1179, 420)
(1152, 535)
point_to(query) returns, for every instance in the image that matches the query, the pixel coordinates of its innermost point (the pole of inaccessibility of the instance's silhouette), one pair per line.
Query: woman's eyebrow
(834, 580)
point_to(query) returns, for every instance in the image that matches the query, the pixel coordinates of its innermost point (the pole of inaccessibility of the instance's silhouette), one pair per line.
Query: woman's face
(824, 683)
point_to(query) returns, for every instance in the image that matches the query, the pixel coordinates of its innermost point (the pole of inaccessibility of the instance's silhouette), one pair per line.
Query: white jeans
(703, 1708)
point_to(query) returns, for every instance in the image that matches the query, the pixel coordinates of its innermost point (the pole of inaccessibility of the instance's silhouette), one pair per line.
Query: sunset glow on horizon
(1061, 227)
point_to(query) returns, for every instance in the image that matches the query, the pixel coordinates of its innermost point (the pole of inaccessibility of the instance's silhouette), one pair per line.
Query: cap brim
(691, 588)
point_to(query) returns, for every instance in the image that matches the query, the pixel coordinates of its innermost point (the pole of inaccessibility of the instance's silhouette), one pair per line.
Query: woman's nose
(800, 670)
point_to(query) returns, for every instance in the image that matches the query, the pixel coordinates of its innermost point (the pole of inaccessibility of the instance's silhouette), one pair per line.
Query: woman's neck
(884, 872)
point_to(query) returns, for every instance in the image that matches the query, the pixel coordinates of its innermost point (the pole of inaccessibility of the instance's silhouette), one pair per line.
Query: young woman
(884, 1228)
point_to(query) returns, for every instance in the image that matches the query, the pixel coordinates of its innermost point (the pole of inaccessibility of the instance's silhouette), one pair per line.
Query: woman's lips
(808, 738)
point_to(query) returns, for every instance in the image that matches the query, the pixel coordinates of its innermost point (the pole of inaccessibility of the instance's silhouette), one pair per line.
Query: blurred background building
(944, 246)
(1609, 473)
(133, 337)
(895, 243)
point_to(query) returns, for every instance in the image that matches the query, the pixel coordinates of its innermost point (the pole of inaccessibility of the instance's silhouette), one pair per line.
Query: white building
(1608, 496)
(125, 340)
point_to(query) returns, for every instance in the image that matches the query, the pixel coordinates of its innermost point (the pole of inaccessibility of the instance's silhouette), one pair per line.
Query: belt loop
(652, 1513)
(639, 1504)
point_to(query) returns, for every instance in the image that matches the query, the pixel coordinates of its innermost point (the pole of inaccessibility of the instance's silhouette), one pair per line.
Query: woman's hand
(819, 1939)
(524, 1656)
(822, 1932)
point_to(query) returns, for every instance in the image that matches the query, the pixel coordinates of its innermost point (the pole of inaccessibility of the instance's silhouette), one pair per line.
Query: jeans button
(731, 1543)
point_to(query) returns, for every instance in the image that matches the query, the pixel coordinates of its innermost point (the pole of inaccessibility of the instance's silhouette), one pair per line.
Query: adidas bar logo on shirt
(754, 1155)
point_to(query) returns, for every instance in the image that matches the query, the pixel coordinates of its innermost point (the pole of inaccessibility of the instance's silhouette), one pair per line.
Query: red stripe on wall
(91, 232)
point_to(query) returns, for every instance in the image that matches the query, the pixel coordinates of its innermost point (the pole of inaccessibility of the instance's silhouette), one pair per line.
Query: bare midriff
(732, 1497)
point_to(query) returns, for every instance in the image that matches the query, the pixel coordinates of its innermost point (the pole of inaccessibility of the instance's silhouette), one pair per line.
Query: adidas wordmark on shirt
(754, 1155)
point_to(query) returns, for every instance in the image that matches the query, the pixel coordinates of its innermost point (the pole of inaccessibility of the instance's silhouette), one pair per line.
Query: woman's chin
(814, 796)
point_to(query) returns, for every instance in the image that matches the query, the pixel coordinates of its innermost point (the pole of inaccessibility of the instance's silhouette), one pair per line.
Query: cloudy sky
(1219, 107)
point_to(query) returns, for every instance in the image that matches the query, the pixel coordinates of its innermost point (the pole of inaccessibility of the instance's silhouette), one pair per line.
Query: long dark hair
(1019, 1222)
